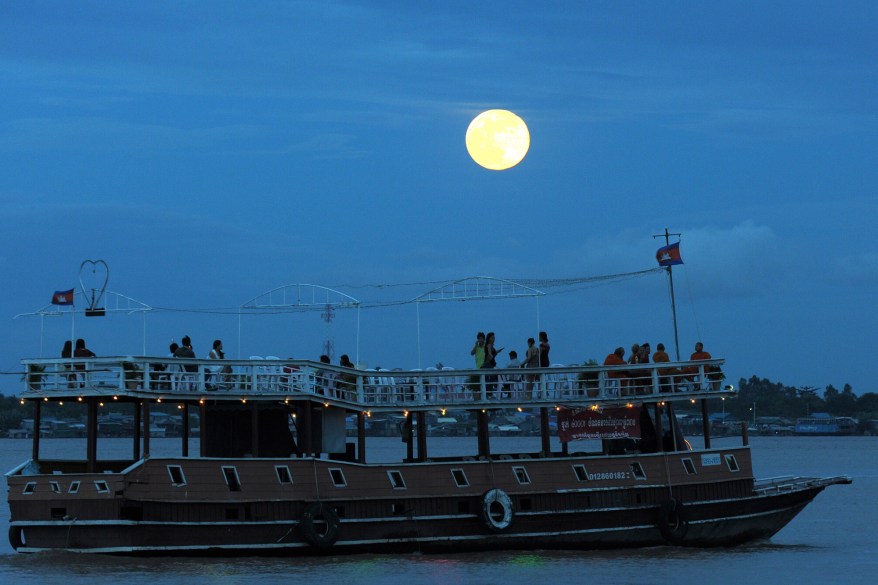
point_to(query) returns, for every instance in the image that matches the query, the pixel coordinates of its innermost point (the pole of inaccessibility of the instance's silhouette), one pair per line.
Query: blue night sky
(212, 151)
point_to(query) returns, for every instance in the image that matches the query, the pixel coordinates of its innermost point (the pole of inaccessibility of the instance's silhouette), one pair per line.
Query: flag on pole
(63, 297)
(669, 255)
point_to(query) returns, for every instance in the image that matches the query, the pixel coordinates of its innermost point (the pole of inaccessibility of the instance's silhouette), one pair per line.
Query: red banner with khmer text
(606, 423)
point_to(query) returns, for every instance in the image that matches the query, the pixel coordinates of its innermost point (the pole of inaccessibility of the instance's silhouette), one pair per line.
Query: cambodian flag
(669, 255)
(63, 297)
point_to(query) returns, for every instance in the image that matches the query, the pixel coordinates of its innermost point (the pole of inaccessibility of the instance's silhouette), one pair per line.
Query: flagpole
(667, 236)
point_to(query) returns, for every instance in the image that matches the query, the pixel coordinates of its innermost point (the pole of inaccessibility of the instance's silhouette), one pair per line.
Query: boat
(259, 485)
(823, 424)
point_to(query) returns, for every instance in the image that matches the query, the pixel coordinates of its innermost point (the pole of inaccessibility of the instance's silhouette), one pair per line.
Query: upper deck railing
(163, 377)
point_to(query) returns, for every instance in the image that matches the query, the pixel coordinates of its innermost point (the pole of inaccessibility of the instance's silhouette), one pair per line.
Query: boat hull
(706, 524)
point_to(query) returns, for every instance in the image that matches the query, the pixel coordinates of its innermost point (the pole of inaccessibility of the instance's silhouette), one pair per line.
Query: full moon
(497, 139)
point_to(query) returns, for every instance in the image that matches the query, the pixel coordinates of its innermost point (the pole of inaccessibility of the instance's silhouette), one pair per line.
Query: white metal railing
(445, 387)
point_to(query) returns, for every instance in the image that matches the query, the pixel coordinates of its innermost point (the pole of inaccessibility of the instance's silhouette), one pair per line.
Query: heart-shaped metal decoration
(95, 295)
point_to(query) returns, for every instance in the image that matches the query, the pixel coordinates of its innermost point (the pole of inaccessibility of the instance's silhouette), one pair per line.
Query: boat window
(177, 477)
(460, 477)
(689, 466)
(337, 476)
(732, 463)
(283, 474)
(102, 487)
(232, 479)
(396, 479)
(56, 487)
(521, 475)
(637, 470)
(29, 488)
(74, 487)
(581, 473)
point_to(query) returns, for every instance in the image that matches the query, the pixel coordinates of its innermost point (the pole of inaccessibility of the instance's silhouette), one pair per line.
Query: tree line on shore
(767, 398)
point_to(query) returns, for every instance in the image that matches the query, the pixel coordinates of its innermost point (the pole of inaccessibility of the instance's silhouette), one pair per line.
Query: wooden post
(146, 428)
(745, 434)
(92, 435)
(184, 429)
(705, 423)
(658, 428)
(254, 428)
(361, 437)
(408, 436)
(422, 435)
(202, 434)
(137, 433)
(545, 435)
(484, 437)
(35, 449)
(305, 435)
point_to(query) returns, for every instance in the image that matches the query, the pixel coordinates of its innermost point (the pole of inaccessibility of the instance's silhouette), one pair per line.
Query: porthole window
(177, 477)
(74, 487)
(689, 466)
(102, 487)
(637, 470)
(29, 488)
(338, 479)
(732, 463)
(283, 474)
(521, 475)
(232, 480)
(581, 473)
(396, 480)
(460, 477)
(56, 487)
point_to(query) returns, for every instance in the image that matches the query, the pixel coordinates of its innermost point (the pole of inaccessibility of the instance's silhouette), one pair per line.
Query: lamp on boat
(159, 399)
(101, 404)
(406, 413)
(46, 399)
(443, 412)
(369, 413)
(115, 398)
(325, 405)
(243, 401)
(79, 399)
(520, 409)
(21, 401)
(629, 405)
(201, 401)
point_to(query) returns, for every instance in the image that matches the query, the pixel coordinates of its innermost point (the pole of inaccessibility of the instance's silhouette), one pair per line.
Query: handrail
(370, 389)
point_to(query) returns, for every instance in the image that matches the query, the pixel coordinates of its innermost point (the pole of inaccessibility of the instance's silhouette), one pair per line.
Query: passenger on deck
(634, 381)
(711, 372)
(617, 358)
(348, 382)
(185, 351)
(490, 363)
(81, 352)
(666, 375)
(478, 350)
(325, 380)
(220, 373)
(544, 350)
(67, 353)
(512, 382)
(532, 360)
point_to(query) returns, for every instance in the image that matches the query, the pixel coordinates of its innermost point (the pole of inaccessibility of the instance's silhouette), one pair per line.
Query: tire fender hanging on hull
(673, 522)
(319, 524)
(497, 510)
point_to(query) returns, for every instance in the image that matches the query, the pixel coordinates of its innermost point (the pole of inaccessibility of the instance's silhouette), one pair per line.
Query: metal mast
(667, 235)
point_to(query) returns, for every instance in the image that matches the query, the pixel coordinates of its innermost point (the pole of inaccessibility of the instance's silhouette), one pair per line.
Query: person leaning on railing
(617, 358)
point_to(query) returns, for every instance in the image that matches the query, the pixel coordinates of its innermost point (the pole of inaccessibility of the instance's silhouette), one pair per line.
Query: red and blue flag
(669, 255)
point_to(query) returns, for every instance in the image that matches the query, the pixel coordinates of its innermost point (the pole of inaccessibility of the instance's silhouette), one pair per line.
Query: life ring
(497, 509)
(673, 523)
(319, 524)
(16, 537)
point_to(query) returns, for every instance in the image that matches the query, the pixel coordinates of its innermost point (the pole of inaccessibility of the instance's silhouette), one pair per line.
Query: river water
(832, 541)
